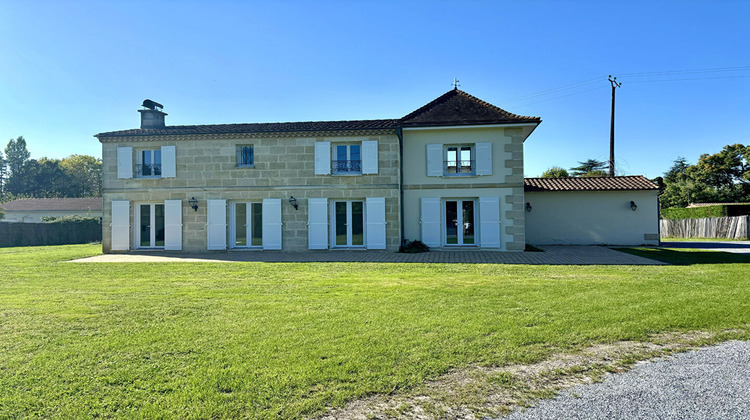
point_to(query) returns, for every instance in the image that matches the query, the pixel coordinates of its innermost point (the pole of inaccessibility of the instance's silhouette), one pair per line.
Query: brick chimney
(152, 116)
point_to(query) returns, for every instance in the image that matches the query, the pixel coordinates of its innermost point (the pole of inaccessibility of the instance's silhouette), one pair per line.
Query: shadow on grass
(688, 256)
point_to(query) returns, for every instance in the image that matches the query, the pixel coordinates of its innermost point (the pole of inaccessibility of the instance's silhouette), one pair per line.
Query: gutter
(400, 135)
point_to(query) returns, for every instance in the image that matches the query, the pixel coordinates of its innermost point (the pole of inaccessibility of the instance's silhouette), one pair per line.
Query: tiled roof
(617, 183)
(457, 107)
(283, 127)
(54, 204)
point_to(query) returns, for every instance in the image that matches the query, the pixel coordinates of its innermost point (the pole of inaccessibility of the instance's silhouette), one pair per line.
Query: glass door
(247, 225)
(348, 224)
(459, 222)
(151, 226)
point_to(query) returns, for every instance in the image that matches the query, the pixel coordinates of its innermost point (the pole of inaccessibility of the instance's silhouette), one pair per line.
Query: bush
(694, 212)
(70, 219)
(411, 247)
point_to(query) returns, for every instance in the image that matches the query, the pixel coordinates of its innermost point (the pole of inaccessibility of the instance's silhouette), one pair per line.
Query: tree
(555, 172)
(595, 173)
(590, 167)
(85, 175)
(2, 175)
(16, 154)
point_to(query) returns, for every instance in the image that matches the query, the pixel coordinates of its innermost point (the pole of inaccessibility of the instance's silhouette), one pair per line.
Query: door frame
(248, 225)
(459, 232)
(152, 221)
(332, 225)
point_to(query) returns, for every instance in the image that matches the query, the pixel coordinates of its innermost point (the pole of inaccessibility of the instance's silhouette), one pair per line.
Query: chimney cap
(152, 105)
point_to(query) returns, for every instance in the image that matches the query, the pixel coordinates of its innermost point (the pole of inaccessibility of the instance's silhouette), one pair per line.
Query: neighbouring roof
(617, 183)
(455, 107)
(54, 204)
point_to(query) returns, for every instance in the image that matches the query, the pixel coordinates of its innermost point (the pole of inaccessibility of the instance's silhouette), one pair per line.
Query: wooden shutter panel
(322, 158)
(375, 222)
(217, 224)
(272, 223)
(430, 220)
(489, 222)
(317, 223)
(370, 157)
(173, 225)
(124, 162)
(120, 225)
(483, 156)
(434, 159)
(168, 162)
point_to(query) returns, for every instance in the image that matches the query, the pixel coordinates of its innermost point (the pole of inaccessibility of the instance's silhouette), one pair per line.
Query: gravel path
(711, 383)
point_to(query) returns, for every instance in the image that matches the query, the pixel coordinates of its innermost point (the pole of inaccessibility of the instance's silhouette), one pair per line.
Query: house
(450, 174)
(33, 210)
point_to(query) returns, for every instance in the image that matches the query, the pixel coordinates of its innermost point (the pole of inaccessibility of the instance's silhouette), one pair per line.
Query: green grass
(268, 340)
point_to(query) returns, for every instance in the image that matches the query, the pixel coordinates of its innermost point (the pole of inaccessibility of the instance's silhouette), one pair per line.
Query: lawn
(268, 340)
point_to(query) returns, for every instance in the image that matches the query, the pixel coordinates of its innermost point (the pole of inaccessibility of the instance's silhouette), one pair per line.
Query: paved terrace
(552, 255)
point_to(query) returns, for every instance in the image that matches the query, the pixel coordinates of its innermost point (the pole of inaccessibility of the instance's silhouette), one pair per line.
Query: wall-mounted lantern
(633, 206)
(528, 207)
(293, 202)
(193, 203)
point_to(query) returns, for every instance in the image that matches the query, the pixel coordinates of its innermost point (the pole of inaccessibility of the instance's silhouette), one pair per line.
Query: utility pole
(613, 81)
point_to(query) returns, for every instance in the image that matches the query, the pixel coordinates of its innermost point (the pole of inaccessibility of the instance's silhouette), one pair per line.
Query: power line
(550, 91)
(691, 78)
(713, 70)
(558, 97)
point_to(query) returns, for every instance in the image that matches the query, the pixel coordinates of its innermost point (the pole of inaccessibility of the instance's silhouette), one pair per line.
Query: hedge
(58, 233)
(694, 212)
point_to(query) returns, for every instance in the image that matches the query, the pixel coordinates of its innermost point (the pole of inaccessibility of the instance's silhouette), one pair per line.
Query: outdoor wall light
(528, 207)
(193, 203)
(293, 202)
(633, 206)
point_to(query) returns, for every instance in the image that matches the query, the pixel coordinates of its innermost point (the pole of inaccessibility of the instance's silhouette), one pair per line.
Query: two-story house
(449, 174)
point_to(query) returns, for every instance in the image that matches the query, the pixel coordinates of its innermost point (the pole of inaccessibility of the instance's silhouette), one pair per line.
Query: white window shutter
(168, 162)
(173, 225)
(271, 223)
(483, 156)
(375, 222)
(489, 222)
(124, 162)
(322, 158)
(370, 157)
(120, 225)
(430, 220)
(434, 159)
(317, 223)
(217, 224)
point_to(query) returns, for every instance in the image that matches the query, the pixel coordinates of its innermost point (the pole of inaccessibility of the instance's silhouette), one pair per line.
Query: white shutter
(322, 158)
(317, 223)
(271, 223)
(375, 222)
(434, 160)
(120, 225)
(483, 156)
(173, 225)
(430, 220)
(489, 222)
(370, 157)
(124, 162)
(217, 224)
(168, 162)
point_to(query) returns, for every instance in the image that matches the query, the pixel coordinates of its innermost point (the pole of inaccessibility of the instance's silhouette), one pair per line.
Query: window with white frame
(245, 156)
(148, 163)
(347, 159)
(459, 159)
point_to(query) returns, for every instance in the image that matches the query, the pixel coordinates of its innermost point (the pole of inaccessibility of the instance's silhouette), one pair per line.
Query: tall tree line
(73, 176)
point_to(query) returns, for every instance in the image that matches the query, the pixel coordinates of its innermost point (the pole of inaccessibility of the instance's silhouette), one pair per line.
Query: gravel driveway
(711, 383)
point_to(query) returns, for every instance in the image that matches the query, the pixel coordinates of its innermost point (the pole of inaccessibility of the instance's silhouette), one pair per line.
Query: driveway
(711, 383)
(736, 247)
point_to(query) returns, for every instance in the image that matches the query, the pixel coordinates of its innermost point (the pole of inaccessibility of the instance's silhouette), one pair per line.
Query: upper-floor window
(459, 160)
(245, 156)
(148, 163)
(347, 159)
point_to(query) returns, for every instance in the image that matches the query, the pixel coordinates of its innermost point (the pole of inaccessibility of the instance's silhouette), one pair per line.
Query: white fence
(709, 227)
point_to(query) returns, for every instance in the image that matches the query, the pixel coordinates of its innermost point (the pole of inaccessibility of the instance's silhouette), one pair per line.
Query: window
(246, 225)
(459, 160)
(245, 156)
(347, 159)
(149, 163)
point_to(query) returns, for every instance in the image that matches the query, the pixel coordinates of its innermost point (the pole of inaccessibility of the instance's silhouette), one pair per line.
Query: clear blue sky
(71, 69)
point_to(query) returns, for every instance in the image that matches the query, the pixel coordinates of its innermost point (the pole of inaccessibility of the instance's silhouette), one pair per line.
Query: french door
(460, 223)
(348, 224)
(246, 225)
(150, 232)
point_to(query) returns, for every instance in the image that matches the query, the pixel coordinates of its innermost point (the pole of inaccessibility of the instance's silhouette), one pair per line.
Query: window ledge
(244, 166)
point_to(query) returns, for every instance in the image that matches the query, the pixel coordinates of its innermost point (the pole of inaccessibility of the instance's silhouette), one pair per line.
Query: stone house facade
(449, 174)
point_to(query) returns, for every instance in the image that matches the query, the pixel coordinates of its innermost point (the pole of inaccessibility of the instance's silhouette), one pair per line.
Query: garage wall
(592, 217)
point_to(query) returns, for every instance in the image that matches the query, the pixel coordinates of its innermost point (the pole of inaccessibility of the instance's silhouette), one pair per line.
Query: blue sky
(71, 69)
